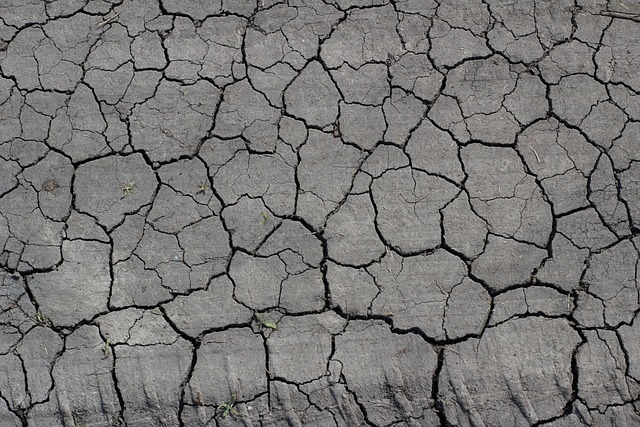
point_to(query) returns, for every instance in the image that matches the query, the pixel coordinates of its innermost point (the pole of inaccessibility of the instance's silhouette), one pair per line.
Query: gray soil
(319, 213)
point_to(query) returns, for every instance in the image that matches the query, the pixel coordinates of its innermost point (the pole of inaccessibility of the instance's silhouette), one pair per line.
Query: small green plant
(227, 408)
(127, 188)
(264, 322)
(107, 344)
(203, 187)
(265, 218)
(42, 320)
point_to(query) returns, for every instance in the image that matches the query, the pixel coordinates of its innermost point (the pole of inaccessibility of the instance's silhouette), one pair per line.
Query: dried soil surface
(319, 213)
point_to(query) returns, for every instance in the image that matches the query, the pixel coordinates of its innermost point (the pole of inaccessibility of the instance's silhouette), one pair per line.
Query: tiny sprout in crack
(41, 320)
(106, 346)
(227, 408)
(264, 322)
(203, 187)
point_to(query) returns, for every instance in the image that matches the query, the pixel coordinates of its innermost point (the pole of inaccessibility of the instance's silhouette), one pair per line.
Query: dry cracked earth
(319, 213)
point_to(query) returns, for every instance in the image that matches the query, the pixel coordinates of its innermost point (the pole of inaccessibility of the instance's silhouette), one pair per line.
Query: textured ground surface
(319, 213)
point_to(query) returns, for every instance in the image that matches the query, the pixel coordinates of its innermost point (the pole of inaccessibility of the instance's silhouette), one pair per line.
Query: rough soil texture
(319, 213)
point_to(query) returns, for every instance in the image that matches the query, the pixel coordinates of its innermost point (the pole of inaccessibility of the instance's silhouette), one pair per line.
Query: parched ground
(319, 213)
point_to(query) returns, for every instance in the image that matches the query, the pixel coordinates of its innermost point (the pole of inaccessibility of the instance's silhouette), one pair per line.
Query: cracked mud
(319, 213)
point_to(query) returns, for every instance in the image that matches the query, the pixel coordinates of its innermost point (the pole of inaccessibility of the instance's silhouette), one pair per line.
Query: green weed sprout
(264, 322)
(227, 408)
(265, 218)
(127, 188)
(203, 187)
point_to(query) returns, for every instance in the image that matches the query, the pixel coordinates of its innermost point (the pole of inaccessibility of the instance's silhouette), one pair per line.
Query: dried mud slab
(319, 213)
